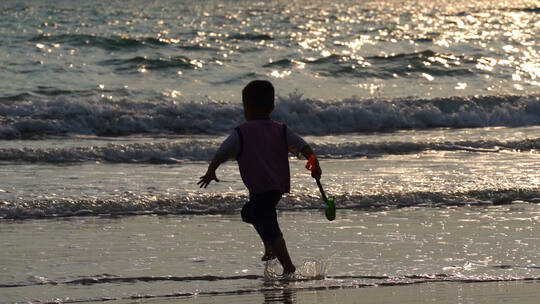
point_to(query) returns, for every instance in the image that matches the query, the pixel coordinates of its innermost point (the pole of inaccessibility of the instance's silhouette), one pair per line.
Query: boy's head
(258, 99)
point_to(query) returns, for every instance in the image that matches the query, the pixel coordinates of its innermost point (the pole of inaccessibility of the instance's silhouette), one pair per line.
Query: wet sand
(486, 292)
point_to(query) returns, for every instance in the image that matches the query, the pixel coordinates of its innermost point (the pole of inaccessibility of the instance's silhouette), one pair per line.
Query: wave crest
(37, 118)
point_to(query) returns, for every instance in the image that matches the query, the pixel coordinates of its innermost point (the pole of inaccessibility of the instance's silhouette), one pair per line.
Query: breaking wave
(40, 118)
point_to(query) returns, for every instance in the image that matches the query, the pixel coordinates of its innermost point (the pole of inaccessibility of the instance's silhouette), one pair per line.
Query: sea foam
(230, 203)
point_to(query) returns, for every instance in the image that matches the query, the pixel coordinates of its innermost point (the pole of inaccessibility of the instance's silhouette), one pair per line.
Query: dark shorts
(260, 211)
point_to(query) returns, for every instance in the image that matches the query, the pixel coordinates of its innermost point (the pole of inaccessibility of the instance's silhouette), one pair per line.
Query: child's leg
(268, 254)
(279, 248)
(261, 212)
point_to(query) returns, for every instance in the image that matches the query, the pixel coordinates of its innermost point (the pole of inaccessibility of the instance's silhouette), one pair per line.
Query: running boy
(261, 147)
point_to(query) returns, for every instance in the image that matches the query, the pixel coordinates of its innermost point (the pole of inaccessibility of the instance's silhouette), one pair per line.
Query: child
(261, 147)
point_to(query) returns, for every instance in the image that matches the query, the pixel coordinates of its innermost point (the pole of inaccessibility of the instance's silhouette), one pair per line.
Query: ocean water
(425, 115)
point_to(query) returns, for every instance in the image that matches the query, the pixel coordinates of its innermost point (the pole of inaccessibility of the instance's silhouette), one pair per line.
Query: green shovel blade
(331, 209)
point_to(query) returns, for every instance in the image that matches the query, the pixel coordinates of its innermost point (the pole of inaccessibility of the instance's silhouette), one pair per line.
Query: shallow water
(101, 258)
(446, 177)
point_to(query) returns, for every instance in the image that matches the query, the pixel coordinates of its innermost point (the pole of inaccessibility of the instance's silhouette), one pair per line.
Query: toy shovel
(331, 205)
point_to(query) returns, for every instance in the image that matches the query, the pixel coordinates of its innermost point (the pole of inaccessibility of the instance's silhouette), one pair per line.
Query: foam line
(232, 203)
(203, 150)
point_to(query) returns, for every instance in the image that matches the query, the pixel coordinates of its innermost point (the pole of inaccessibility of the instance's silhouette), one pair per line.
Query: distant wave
(111, 43)
(132, 64)
(524, 9)
(202, 150)
(251, 36)
(407, 65)
(231, 203)
(128, 44)
(33, 118)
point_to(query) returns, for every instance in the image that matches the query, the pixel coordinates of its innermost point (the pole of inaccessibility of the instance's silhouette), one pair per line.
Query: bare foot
(279, 248)
(289, 271)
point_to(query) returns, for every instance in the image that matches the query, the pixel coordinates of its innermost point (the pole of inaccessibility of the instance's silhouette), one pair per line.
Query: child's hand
(313, 165)
(205, 180)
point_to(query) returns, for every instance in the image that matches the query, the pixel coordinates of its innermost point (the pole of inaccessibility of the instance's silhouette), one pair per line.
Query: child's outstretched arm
(210, 175)
(228, 150)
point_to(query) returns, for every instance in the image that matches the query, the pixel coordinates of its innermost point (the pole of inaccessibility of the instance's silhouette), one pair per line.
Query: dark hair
(259, 94)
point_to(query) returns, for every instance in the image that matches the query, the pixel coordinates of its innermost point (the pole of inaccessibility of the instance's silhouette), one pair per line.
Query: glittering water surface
(184, 50)
(425, 116)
